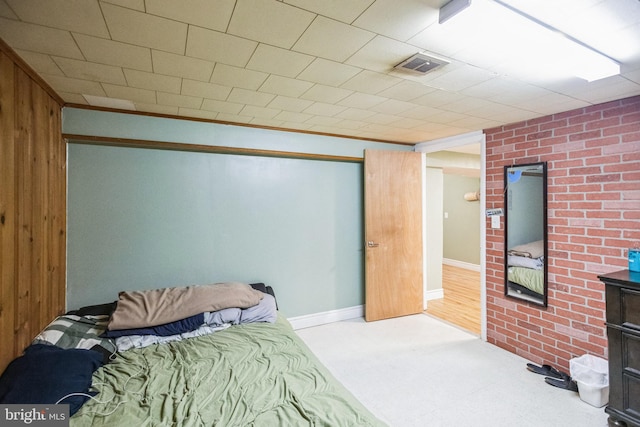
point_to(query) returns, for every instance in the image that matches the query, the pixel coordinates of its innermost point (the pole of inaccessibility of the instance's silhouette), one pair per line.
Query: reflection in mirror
(526, 232)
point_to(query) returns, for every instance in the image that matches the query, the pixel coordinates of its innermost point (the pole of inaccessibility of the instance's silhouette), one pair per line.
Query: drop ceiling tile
(332, 39)
(103, 101)
(323, 120)
(371, 82)
(405, 123)
(467, 104)
(437, 98)
(20, 35)
(131, 4)
(91, 71)
(72, 98)
(406, 91)
(130, 93)
(615, 87)
(296, 126)
(206, 90)
(227, 75)
(322, 109)
(269, 22)
(289, 116)
(294, 105)
(382, 119)
(328, 73)
(278, 61)
(70, 85)
(6, 12)
(382, 54)
(181, 66)
(110, 52)
(475, 123)
(40, 63)
(457, 79)
(446, 117)
(336, 9)
(164, 98)
(203, 13)
(554, 102)
(159, 82)
(80, 16)
(221, 106)
(260, 112)
(420, 113)
(200, 114)
(219, 47)
(398, 20)
(328, 94)
(266, 122)
(351, 124)
(363, 101)
(158, 109)
(233, 118)
(439, 39)
(355, 114)
(243, 96)
(285, 86)
(392, 106)
(130, 26)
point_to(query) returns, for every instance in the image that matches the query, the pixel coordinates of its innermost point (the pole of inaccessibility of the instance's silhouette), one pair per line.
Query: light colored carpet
(419, 371)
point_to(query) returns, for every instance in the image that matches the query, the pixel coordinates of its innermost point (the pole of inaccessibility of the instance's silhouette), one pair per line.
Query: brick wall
(593, 157)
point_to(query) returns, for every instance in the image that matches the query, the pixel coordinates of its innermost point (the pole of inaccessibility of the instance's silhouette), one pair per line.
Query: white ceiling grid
(320, 66)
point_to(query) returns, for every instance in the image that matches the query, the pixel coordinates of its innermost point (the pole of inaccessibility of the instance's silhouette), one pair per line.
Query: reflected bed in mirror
(526, 232)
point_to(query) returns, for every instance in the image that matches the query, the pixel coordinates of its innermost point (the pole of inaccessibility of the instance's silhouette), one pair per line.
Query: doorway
(457, 294)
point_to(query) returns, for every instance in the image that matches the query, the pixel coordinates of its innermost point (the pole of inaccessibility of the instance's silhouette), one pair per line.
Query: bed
(525, 269)
(240, 373)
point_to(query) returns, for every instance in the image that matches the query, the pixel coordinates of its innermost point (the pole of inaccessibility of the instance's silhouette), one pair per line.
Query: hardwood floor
(461, 302)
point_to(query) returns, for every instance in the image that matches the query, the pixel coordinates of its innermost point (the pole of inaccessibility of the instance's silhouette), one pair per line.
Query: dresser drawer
(630, 308)
(631, 385)
(631, 354)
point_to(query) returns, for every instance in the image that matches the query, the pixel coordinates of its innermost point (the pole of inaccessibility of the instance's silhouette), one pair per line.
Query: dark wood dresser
(623, 332)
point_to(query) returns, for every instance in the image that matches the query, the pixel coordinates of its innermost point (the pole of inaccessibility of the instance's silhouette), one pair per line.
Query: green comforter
(257, 374)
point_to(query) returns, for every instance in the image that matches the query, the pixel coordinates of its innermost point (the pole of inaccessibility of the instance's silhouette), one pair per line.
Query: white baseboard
(461, 264)
(434, 294)
(316, 319)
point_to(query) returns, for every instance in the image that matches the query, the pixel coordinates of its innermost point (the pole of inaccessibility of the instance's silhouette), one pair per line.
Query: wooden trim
(22, 64)
(178, 146)
(221, 122)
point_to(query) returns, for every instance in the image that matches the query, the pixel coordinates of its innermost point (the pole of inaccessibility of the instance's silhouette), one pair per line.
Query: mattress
(531, 279)
(255, 374)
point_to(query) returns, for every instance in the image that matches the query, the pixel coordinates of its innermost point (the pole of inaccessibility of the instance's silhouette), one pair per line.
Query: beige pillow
(139, 309)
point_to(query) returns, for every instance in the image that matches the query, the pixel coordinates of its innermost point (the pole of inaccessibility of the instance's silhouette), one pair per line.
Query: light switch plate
(495, 222)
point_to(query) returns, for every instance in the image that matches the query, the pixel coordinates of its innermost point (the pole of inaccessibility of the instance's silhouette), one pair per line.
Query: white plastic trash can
(591, 373)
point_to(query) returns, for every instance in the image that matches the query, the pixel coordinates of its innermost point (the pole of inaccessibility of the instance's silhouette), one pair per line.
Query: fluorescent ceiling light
(523, 44)
(451, 9)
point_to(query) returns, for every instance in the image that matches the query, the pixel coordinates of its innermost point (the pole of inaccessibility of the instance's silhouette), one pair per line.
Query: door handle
(372, 244)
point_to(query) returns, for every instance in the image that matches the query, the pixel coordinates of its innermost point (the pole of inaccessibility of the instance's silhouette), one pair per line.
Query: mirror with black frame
(526, 232)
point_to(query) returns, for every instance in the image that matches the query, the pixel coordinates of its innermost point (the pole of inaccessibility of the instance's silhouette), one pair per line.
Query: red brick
(593, 159)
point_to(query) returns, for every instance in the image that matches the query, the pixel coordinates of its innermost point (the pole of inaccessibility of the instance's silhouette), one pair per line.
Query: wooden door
(393, 234)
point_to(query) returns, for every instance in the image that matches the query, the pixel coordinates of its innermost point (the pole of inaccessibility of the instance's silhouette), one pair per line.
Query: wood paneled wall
(32, 206)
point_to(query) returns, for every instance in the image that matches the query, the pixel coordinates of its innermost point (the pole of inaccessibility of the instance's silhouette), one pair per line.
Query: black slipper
(565, 383)
(546, 370)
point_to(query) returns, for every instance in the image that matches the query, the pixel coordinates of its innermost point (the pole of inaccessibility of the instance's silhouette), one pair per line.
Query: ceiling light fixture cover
(525, 44)
(420, 64)
(451, 9)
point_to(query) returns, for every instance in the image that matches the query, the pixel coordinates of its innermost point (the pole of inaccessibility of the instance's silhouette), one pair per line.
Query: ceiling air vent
(420, 64)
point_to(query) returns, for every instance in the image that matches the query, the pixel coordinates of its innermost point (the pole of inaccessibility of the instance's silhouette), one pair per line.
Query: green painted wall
(462, 226)
(143, 218)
